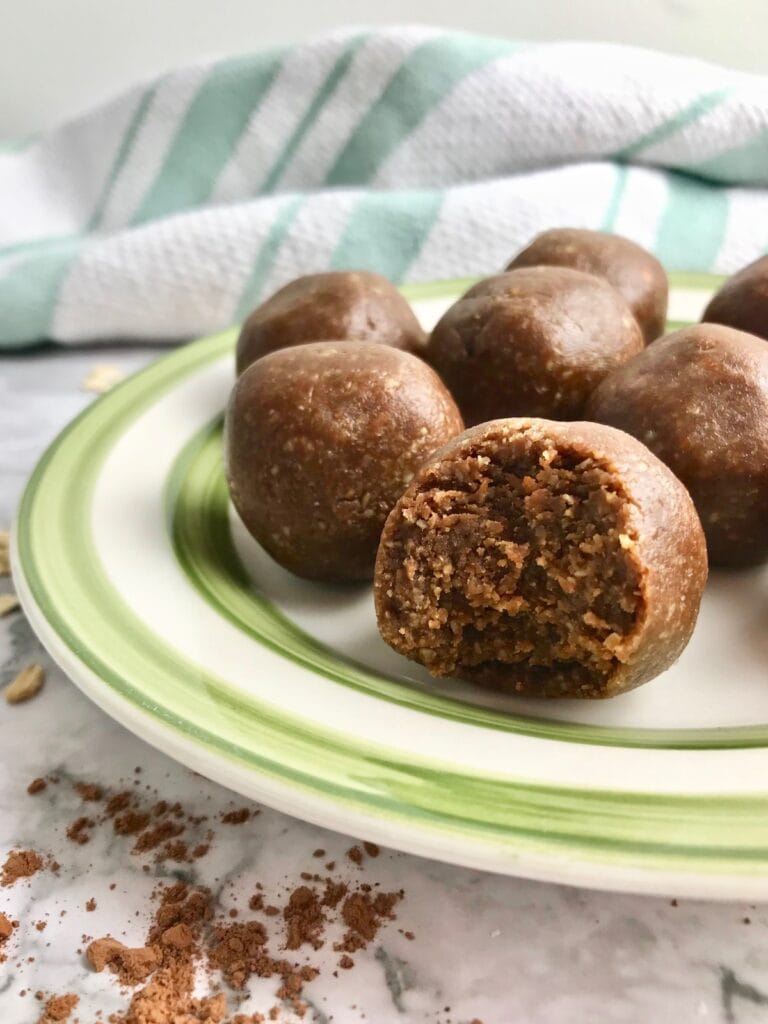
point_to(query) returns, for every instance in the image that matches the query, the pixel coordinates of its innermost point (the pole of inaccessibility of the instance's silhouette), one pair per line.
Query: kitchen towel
(172, 210)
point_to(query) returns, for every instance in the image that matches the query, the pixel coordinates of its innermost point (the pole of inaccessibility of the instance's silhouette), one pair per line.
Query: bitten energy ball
(338, 306)
(532, 342)
(552, 559)
(631, 270)
(699, 399)
(742, 302)
(321, 441)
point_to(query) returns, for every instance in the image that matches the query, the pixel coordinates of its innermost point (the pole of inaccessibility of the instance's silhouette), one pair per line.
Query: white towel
(171, 211)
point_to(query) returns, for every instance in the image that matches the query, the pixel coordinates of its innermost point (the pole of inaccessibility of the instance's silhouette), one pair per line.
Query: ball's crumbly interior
(520, 572)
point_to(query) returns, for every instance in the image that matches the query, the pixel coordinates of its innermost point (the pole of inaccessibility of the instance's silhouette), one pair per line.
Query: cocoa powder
(131, 822)
(181, 904)
(182, 934)
(89, 791)
(238, 951)
(151, 838)
(363, 915)
(176, 850)
(236, 817)
(58, 1008)
(304, 919)
(130, 965)
(334, 893)
(78, 830)
(118, 802)
(156, 829)
(20, 864)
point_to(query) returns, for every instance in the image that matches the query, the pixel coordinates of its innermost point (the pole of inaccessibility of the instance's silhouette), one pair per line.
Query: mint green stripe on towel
(743, 165)
(693, 224)
(614, 202)
(18, 145)
(29, 288)
(324, 93)
(265, 256)
(208, 134)
(424, 79)
(690, 113)
(122, 155)
(386, 231)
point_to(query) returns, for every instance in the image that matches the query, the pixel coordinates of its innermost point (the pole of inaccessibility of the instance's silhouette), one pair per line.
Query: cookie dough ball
(532, 342)
(699, 400)
(321, 441)
(742, 302)
(631, 270)
(338, 306)
(552, 559)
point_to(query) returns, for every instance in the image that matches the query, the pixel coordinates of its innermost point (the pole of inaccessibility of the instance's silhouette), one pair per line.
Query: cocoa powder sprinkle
(238, 952)
(36, 786)
(20, 864)
(363, 915)
(236, 817)
(334, 893)
(118, 802)
(130, 823)
(151, 838)
(78, 830)
(59, 1008)
(182, 934)
(130, 965)
(89, 791)
(304, 919)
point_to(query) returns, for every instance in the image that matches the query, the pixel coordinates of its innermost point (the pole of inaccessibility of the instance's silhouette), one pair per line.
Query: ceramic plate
(146, 589)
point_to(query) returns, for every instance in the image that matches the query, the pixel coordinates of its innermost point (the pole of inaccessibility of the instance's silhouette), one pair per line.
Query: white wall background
(58, 57)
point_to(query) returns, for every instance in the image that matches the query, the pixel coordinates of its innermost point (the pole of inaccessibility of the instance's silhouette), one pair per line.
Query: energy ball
(549, 559)
(742, 302)
(699, 400)
(321, 440)
(631, 270)
(338, 306)
(532, 342)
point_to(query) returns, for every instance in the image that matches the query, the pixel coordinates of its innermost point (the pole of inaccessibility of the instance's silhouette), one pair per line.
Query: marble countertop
(491, 949)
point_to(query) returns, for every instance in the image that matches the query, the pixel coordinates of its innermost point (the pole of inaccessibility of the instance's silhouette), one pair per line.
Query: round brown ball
(321, 440)
(699, 399)
(742, 302)
(551, 559)
(532, 342)
(337, 306)
(632, 270)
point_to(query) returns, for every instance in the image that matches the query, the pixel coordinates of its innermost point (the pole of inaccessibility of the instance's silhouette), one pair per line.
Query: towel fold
(170, 211)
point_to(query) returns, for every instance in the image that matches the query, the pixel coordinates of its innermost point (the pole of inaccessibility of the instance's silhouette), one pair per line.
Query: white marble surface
(499, 950)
